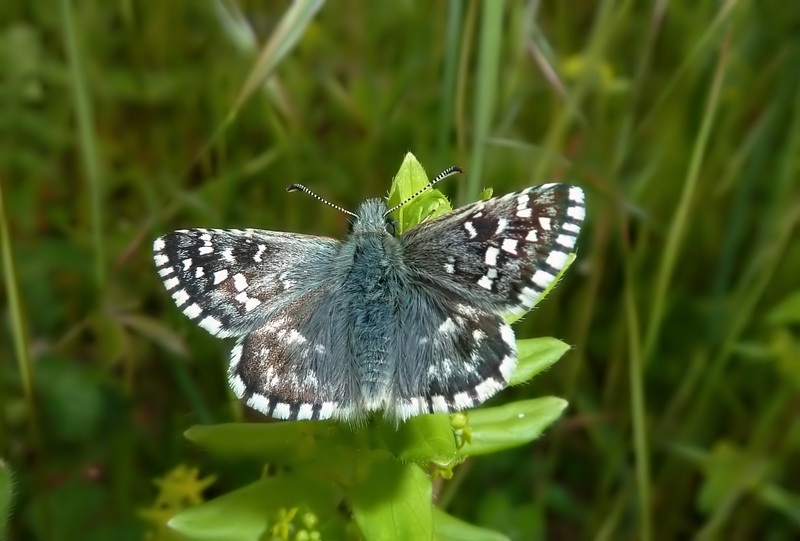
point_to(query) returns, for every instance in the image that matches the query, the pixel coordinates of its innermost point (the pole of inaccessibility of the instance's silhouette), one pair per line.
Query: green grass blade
(6, 498)
(680, 222)
(287, 34)
(486, 95)
(86, 135)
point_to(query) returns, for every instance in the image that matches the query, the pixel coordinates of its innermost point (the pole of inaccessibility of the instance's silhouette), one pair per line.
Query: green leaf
(503, 427)
(449, 528)
(410, 179)
(283, 444)
(787, 312)
(246, 513)
(536, 355)
(426, 439)
(393, 502)
(729, 471)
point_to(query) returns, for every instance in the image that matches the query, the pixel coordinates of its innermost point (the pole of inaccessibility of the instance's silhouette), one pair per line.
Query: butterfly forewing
(230, 280)
(503, 253)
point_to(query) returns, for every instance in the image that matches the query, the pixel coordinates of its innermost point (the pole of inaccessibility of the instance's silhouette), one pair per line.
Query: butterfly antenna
(301, 188)
(450, 171)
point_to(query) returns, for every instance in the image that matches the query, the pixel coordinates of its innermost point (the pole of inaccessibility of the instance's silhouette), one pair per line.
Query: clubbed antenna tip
(453, 170)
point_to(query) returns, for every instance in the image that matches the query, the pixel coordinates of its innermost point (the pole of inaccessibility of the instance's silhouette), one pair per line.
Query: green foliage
(6, 493)
(681, 120)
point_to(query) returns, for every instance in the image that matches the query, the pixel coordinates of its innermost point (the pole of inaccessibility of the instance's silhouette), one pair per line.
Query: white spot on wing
(180, 297)
(439, 404)
(557, 259)
(528, 296)
(306, 410)
(507, 366)
(448, 326)
(542, 279)
(525, 213)
(576, 213)
(326, 410)
(236, 356)
(470, 230)
(295, 337)
(199, 272)
(227, 255)
(171, 283)
(239, 281)
(193, 310)
(567, 241)
(282, 410)
(166, 271)
(491, 255)
(251, 303)
(187, 264)
(510, 246)
(502, 223)
(485, 282)
(573, 228)
(257, 257)
(205, 250)
(576, 194)
(211, 324)
(487, 388)
(158, 244)
(508, 336)
(220, 276)
(259, 403)
(160, 260)
(462, 401)
(545, 222)
(237, 385)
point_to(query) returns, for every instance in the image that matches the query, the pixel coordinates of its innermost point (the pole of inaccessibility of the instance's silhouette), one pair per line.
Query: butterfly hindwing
(449, 355)
(296, 366)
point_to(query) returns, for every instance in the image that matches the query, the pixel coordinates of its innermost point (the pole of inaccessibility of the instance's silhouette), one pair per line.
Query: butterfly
(405, 324)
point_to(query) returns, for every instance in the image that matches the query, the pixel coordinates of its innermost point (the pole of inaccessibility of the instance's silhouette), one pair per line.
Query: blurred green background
(123, 120)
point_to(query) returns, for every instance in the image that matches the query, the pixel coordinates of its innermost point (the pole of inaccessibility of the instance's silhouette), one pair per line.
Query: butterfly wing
(450, 355)
(273, 290)
(231, 281)
(500, 254)
(469, 268)
(298, 365)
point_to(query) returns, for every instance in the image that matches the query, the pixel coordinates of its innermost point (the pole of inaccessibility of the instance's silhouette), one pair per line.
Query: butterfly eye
(391, 225)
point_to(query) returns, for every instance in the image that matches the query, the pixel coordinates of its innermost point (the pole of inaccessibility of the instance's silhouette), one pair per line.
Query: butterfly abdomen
(372, 291)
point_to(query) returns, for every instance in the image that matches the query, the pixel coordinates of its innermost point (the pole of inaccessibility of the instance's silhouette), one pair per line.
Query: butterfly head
(371, 217)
